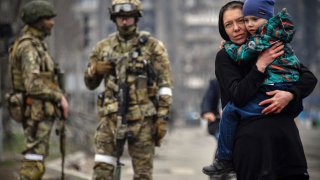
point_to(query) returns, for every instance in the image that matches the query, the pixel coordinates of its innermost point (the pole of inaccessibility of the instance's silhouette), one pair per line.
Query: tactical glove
(103, 67)
(160, 128)
(99, 67)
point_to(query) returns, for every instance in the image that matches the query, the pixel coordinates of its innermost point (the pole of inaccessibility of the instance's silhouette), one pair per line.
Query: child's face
(253, 23)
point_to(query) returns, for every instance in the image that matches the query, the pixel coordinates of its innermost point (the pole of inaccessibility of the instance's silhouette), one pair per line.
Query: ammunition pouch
(142, 90)
(37, 109)
(16, 106)
(106, 104)
(20, 106)
(138, 96)
(136, 67)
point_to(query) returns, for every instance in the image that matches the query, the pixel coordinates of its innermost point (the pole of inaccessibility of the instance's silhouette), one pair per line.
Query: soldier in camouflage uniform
(33, 75)
(142, 62)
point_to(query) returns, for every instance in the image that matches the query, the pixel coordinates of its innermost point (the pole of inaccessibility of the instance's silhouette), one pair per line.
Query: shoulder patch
(143, 37)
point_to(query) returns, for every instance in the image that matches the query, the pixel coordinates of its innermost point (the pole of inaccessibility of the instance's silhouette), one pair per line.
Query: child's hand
(222, 44)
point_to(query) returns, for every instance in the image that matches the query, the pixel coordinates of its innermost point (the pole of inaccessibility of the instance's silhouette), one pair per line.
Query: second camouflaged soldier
(37, 98)
(140, 61)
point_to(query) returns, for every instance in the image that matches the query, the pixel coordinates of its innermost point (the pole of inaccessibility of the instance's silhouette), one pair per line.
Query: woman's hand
(279, 100)
(209, 116)
(269, 55)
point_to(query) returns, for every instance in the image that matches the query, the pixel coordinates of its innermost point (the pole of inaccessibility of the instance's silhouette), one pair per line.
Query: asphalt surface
(181, 157)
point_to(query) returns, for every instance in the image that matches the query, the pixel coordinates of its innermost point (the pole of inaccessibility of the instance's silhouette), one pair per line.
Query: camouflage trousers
(141, 148)
(37, 135)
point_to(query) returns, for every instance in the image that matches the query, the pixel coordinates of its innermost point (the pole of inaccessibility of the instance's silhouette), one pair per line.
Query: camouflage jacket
(148, 95)
(32, 68)
(278, 28)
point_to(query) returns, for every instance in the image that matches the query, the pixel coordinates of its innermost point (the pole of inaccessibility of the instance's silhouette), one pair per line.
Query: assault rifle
(121, 133)
(60, 130)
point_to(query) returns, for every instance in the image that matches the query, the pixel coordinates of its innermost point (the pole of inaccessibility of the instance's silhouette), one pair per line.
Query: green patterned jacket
(278, 28)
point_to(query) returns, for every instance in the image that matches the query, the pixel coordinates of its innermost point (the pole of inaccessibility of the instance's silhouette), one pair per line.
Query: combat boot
(31, 170)
(218, 168)
(102, 171)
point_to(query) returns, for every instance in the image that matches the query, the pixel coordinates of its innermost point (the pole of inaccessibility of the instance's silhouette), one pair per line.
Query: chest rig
(133, 66)
(17, 99)
(15, 62)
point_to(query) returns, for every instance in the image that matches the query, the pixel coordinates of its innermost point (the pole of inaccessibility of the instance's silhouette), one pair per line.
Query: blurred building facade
(306, 44)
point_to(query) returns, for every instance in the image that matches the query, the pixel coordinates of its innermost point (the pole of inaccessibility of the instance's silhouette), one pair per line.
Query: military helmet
(32, 11)
(125, 8)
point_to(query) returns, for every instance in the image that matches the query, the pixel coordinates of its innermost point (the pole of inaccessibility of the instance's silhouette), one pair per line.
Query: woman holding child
(265, 147)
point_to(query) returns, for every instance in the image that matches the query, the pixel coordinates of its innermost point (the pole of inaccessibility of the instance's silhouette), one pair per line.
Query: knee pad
(31, 170)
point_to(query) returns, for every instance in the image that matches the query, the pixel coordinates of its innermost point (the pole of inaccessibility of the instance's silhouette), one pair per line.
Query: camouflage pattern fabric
(145, 102)
(115, 49)
(34, 75)
(278, 28)
(35, 66)
(37, 132)
(31, 170)
(141, 149)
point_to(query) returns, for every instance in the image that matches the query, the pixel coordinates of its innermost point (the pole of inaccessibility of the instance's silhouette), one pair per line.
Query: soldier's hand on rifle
(65, 107)
(160, 130)
(99, 67)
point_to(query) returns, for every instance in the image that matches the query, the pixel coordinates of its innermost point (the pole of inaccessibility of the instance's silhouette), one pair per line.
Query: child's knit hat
(260, 8)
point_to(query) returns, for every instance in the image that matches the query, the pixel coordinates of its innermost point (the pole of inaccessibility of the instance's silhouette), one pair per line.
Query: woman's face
(233, 23)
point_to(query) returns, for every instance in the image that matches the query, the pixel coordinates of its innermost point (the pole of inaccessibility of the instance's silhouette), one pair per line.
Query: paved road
(181, 157)
(185, 151)
(311, 142)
